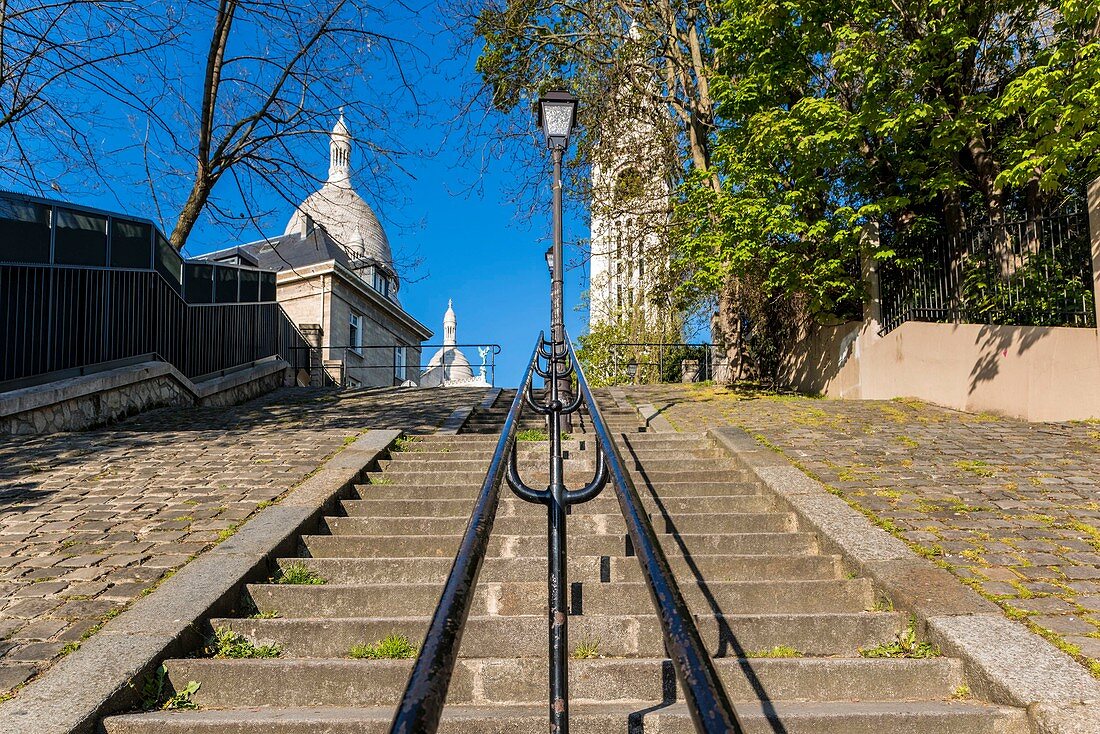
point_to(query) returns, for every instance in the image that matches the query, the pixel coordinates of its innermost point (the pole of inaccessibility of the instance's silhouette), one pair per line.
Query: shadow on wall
(819, 356)
(994, 344)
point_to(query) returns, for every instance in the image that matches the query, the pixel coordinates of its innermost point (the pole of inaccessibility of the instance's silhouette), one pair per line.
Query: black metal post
(557, 317)
(555, 552)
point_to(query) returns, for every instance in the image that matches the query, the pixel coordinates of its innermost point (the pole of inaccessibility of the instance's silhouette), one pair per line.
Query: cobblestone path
(91, 520)
(1012, 508)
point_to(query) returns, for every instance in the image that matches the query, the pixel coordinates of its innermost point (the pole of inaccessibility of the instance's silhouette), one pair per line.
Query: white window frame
(400, 362)
(355, 333)
(381, 283)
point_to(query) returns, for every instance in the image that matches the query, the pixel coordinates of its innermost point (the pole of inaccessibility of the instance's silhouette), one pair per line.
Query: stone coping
(107, 672)
(1005, 663)
(36, 397)
(654, 419)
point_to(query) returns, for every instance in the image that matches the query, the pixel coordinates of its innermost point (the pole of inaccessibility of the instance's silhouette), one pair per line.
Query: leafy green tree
(915, 115)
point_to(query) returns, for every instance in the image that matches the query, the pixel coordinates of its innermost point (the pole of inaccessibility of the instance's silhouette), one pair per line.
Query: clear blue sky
(476, 248)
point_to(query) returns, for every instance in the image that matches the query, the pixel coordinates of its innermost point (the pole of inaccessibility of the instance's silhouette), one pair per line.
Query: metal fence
(378, 365)
(655, 362)
(55, 319)
(1032, 272)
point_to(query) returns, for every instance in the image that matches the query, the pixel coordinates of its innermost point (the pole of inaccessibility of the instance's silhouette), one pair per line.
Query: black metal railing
(648, 363)
(557, 499)
(704, 694)
(82, 288)
(55, 319)
(1030, 272)
(421, 704)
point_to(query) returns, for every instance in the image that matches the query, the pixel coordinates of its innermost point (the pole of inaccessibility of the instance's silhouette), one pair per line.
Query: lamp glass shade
(632, 369)
(550, 259)
(557, 113)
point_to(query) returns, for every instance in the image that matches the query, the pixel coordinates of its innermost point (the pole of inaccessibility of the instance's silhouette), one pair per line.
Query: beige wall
(1030, 372)
(319, 295)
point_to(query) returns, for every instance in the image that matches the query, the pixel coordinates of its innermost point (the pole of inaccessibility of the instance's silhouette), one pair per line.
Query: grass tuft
(905, 646)
(779, 651)
(587, 650)
(228, 644)
(532, 434)
(394, 647)
(297, 573)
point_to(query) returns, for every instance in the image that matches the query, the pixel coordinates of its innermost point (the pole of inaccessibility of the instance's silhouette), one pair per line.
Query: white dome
(343, 213)
(347, 219)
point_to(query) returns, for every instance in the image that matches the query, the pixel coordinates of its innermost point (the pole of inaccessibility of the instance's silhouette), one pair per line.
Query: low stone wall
(93, 400)
(1029, 372)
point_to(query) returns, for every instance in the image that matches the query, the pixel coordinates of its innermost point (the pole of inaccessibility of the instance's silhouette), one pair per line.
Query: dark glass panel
(80, 239)
(131, 244)
(267, 286)
(169, 263)
(225, 285)
(198, 282)
(24, 232)
(250, 286)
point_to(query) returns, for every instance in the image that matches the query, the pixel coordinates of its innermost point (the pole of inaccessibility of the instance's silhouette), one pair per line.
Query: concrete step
(747, 522)
(876, 717)
(573, 480)
(587, 597)
(585, 568)
(619, 636)
(529, 546)
(511, 506)
(344, 682)
(426, 477)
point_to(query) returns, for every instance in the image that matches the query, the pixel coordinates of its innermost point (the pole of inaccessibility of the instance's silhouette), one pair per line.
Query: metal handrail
(422, 702)
(704, 694)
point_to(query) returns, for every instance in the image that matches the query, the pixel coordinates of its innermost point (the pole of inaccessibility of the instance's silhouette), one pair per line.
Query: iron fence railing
(377, 365)
(656, 362)
(1032, 272)
(54, 319)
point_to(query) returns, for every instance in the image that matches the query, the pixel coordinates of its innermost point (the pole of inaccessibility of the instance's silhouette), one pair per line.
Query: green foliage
(836, 114)
(228, 644)
(905, 646)
(298, 573)
(779, 651)
(532, 434)
(393, 647)
(155, 696)
(404, 443)
(587, 650)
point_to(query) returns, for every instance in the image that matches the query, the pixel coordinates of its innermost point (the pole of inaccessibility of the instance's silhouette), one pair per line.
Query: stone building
(630, 208)
(337, 282)
(449, 367)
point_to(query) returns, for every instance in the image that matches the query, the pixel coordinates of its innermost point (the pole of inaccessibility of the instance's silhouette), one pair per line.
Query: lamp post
(557, 113)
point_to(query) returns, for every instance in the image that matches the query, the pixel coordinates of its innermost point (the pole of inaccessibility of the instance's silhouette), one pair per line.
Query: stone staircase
(761, 590)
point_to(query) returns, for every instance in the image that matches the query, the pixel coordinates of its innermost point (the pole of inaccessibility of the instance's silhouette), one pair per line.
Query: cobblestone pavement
(91, 520)
(1012, 508)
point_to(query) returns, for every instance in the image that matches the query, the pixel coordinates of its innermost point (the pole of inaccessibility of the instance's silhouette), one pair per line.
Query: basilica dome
(449, 367)
(343, 213)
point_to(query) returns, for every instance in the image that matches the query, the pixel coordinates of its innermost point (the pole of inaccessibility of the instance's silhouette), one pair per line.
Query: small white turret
(450, 325)
(339, 165)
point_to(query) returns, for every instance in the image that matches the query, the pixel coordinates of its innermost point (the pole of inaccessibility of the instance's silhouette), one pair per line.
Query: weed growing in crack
(297, 573)
(393, 647)
(779, 651)
(587, 650)
(905, 646)
(228, 644)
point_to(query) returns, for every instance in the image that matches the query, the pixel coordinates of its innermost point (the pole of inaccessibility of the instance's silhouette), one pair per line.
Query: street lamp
(557, 113)
(632, 370)
(550, 260)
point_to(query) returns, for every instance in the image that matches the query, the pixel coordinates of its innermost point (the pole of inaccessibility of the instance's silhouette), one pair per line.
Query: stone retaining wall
(93, 400)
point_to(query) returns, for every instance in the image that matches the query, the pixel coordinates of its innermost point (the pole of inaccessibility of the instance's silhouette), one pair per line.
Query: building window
(400, 358)
(381, 283)
(355, 333)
